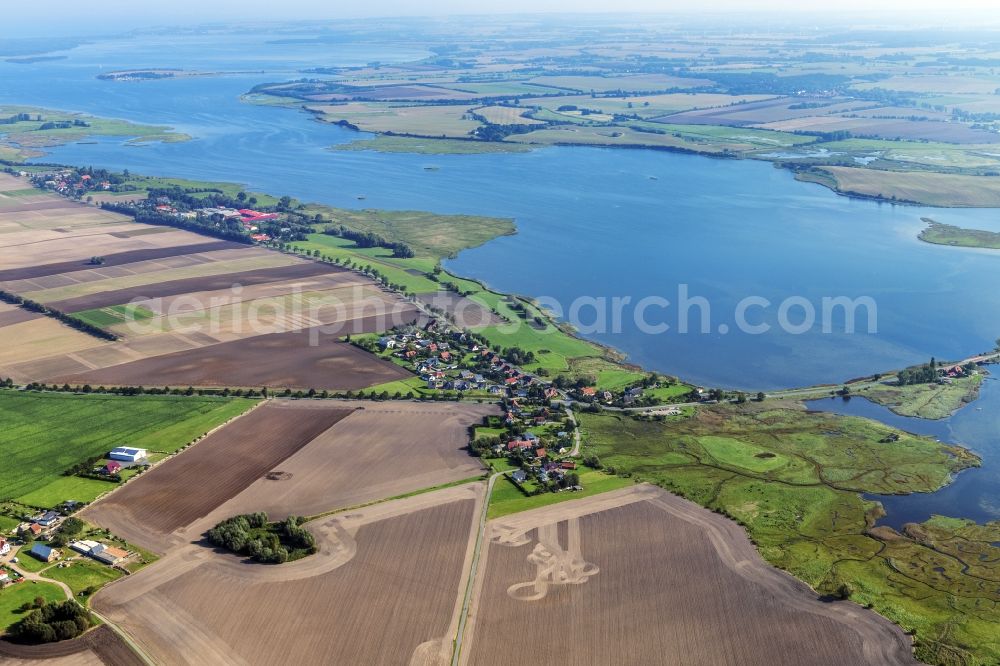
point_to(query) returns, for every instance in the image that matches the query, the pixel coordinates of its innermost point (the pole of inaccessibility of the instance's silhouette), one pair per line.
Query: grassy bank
(793, 479)
(947, 234)
(927, 188)
(383, 143)
(44, 128)
(927, 401)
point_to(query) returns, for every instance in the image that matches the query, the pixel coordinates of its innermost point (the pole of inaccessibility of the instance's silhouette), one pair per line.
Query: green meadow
(46, 433)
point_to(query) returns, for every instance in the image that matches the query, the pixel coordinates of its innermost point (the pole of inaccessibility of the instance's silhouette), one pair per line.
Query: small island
(262, 541)
(947, 234)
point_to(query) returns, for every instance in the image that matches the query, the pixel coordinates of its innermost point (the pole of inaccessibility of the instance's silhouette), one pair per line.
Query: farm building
(110, 555)
(127, 454)
(87, 547)
(44, 553)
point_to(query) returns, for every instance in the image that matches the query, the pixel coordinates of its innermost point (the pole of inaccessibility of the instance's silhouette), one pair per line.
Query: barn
(127, 454)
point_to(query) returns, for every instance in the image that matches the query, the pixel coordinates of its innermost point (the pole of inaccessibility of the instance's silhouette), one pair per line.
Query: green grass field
(46, 433)
(66, 488)
(428, 234)
(793, 480)
(83, 573)
(508, 499)
(114, 315)
(14, 596)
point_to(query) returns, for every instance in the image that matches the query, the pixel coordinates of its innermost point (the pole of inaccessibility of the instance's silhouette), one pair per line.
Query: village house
(29, 530)
(44, 553)
(47, 519)
(4, 547)
(113, 467)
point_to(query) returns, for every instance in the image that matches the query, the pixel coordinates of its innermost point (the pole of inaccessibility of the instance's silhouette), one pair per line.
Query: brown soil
(658, 580)
(16, 316)
(118, 259)
(391, 595)
(192, 484)
(100, 646)
(279, 360)
(381, 450)
(103, 299)
(50, 204)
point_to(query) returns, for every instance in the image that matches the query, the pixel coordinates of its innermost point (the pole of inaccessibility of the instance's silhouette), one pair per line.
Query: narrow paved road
(576, 433)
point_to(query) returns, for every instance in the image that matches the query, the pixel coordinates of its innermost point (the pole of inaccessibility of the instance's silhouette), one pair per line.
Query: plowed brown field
(390, 596)
(172, 495)
(383, 450)
(278, 360)
(657, 580)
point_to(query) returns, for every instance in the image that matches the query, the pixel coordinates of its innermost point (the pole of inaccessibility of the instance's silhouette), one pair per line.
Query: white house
(4, 547)
(127, 454)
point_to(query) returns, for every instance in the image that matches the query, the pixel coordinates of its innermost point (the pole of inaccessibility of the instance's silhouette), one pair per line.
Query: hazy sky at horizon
(27, 19)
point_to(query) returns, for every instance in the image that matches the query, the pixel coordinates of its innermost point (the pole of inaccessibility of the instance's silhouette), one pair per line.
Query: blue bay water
(593, 223)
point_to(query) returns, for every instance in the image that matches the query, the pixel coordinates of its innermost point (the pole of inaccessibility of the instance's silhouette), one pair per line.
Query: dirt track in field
(103, 299)
(150, 510)
(465, 311)
(118, 259)
(641, 576)
(389, 598)
(278, 360)
(100, 646)
(384, 450)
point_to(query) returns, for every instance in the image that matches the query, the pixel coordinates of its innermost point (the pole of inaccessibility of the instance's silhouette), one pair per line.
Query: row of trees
(924, 374)
(50, 622)
(69, 320)
(146, 216)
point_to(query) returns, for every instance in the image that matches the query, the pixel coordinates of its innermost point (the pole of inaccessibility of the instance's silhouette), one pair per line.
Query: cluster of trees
(251, 535)
(16, 118)
(69, 320)
(369, 239)
(83, 467)
(518, 356)
(566, 382)
(493, 132)
(924, 374)
(70, 530)
(63, 124)
(49, 622)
